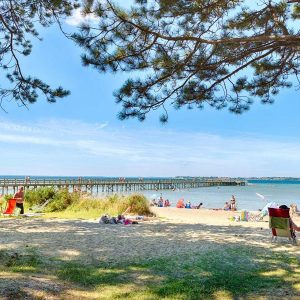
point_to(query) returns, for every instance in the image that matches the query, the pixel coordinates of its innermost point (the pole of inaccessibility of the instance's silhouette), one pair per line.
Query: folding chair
(280, 224)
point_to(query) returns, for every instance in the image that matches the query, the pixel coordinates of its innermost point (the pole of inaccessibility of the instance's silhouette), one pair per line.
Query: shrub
(138, 204)
(62, 200)
(113, 205)
(40, 195)
(7, 197)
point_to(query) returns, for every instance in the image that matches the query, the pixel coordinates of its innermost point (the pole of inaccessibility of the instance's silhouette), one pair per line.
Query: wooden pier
(113, 185)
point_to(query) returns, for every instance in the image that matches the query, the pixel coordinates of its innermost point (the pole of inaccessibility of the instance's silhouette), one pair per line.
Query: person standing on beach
(233, 203)
(19, 196)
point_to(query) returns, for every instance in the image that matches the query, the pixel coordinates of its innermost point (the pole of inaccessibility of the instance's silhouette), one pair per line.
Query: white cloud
(97, 149)
(78, 18)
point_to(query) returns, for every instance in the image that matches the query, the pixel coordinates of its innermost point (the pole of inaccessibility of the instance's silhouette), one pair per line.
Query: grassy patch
(27, 261)
(61, 203)
(228, 273)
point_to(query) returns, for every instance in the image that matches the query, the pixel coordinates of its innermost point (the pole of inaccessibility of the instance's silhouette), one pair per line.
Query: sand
(89, 240)
(173, 232)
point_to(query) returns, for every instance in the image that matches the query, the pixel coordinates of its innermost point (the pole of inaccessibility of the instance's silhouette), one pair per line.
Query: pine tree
(194, 53)
(19, 20)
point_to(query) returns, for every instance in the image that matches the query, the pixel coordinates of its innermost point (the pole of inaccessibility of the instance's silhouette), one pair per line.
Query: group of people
(120, 219)
(230, 205)
(160, 202)
(181, 204)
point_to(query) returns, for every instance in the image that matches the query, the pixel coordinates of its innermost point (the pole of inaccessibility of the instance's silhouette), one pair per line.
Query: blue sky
(81, 135)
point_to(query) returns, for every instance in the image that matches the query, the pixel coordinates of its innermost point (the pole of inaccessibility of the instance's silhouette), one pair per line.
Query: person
(167, 203)
(180, 203)
(233, 203)
(226, 206)
(294, 226)
(294, 209)
(188, 205)
(197, 206)
(160, 202)
(153, 202)
(262, 212)
(27, 180)
(19, 196)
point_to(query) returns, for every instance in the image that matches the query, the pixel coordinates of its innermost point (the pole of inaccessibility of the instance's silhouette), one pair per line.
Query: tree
(194, 52)
(18, 22)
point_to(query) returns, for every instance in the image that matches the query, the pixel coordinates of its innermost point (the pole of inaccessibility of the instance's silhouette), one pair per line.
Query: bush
(7, 197)
(113, 205)
(62, 200)
(138, 204)
(40, 195)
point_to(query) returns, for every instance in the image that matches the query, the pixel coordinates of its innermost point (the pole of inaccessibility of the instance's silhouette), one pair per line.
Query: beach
(173, 233)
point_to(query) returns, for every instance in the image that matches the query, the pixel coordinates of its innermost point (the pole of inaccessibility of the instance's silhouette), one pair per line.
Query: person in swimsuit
(232, 203)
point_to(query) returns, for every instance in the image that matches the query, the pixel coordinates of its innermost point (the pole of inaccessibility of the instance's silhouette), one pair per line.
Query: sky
(81, 135)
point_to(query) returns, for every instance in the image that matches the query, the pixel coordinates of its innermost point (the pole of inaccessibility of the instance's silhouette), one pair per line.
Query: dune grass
(90, 208)
(233, 272)
(64, 204)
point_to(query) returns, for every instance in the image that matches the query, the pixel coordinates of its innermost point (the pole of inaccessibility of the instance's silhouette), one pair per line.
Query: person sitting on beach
(294, 226)
(188, 205)
(153, 202)
(160, 202)
(180, 203)
(294, 209)
(197, 206)
(233, 203)
(167, 203)
(226, 206)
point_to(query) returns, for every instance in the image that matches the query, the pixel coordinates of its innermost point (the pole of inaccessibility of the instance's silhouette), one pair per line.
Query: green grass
(229, 273)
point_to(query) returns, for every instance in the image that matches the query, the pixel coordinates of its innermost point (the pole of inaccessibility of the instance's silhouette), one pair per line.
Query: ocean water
(246, 196)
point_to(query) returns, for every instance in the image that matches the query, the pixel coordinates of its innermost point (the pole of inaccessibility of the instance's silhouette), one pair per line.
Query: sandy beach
(174, 232)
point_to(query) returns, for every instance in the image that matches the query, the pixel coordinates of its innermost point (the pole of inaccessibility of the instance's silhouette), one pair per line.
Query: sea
(255, 195)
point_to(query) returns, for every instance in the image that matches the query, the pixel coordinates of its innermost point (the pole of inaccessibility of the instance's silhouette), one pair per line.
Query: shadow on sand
(147, 261)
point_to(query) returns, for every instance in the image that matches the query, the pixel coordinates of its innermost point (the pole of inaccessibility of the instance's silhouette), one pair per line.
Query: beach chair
(280, 224)
(10, 207)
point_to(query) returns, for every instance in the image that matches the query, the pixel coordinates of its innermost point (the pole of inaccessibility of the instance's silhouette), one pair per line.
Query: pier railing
(114, 185)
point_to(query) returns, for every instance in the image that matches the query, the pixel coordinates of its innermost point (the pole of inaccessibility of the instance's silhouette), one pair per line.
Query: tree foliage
(19, 23)
(194, 52)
